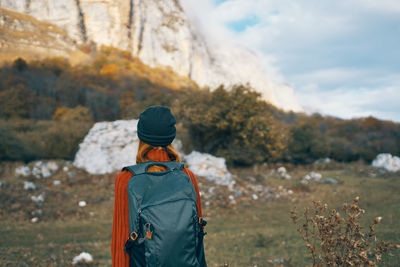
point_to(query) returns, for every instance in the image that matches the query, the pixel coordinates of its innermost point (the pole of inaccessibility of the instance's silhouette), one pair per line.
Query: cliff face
(20, 33)
(159, 33)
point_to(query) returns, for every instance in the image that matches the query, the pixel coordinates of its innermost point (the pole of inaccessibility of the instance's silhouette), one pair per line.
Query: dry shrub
(27, 140)
(336, 240)
(77, 113)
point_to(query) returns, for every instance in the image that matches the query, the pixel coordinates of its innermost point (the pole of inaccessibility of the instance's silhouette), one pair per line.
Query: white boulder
(312, 176)
(210, 167)
(23, 171)
(282, 172)
(44, 169)
(29, 186)
(232, 199)
(38, 199)
(82, 203)
(110, 146)
(387, 162)
(83, 257)
(40, 169)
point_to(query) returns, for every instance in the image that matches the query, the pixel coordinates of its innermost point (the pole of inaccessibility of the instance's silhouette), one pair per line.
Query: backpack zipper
(165, 202)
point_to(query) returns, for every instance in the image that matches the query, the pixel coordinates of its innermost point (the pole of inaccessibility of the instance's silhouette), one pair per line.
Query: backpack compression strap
(142, 167)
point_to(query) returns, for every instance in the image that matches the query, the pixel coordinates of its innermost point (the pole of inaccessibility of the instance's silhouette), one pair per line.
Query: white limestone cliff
(160, 34)
(20, 33)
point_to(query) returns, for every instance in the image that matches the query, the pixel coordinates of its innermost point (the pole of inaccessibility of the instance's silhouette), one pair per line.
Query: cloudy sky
(341, 57)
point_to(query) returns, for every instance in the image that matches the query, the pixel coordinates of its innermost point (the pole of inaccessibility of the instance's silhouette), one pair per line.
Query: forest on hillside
(48, 106)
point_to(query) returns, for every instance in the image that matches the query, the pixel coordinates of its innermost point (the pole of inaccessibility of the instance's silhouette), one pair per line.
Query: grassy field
(248, 233)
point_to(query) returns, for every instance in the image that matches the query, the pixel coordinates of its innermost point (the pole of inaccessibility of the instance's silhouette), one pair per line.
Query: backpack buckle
(202, 222)
(149, 232)
(133, 238)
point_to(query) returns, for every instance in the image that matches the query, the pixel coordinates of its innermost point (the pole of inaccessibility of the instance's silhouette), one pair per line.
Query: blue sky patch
(241, 25)
(220, 1)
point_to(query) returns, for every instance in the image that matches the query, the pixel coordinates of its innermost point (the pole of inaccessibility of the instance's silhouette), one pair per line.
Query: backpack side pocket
(200, 240)
(136, 253)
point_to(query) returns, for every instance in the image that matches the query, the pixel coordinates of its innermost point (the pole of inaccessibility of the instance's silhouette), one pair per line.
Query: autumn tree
(232, 124)
(307, 143)
(16, 102)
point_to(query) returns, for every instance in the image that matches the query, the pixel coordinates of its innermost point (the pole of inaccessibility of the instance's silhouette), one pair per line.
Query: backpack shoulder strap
(142, 167)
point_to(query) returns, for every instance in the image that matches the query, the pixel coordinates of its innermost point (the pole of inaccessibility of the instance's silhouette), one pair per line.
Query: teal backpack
(165, 229)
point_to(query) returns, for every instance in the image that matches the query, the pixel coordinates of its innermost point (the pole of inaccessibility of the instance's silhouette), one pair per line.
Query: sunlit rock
(282, 172)
(29, 186)
(312, 176)
(44, 169)
(84, 257)
(23, 171)
(387, 162)
(38, 199)
(109, 146)
(210, 167)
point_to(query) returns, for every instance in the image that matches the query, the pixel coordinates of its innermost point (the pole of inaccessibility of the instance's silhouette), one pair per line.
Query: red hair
(145, 148)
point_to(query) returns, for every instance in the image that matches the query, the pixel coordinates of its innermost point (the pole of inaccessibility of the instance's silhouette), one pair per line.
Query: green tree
(20, 64)
(17, 102)
(232, 124)
(12, 147)
(307, 143)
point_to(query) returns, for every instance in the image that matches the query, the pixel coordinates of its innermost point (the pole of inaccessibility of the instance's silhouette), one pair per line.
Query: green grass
(246, 234)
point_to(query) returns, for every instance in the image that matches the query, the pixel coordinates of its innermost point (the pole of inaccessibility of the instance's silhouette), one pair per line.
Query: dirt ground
(248, 225)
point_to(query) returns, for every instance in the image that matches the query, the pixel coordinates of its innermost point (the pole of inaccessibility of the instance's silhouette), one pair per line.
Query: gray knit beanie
(156, 126)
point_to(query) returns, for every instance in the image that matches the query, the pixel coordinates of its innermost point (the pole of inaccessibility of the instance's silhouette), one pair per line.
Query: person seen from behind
(157, 208)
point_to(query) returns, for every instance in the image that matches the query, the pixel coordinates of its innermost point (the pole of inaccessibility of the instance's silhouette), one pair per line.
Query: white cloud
(346, 77)
(338, 55)
(386, 6)
(333, 75)
(306, 19)
(352, 103)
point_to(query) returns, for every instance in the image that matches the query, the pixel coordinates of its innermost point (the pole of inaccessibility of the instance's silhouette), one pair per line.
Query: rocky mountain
(160, 34)
(20, 33)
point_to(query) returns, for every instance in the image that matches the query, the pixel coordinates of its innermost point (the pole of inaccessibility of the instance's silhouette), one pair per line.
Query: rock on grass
(83, 257)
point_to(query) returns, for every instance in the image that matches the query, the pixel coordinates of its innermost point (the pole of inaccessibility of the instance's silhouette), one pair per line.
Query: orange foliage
(78, 113)
(372, 122)
(110, 70)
